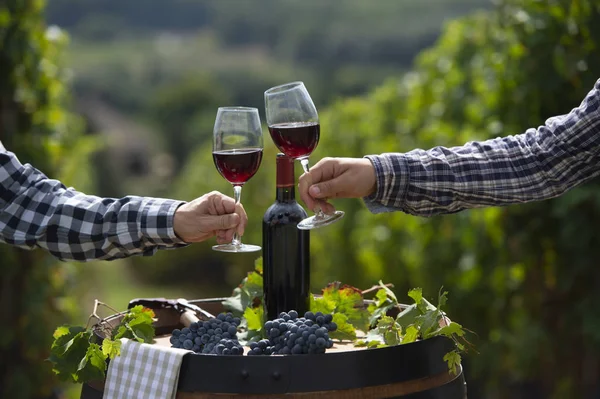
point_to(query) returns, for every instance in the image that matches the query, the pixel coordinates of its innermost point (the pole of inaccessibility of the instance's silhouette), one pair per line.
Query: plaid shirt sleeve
(36, 211)
(539, 164)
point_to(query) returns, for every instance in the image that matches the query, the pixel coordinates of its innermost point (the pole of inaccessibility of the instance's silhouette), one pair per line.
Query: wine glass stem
(318, 212)
(237, 195)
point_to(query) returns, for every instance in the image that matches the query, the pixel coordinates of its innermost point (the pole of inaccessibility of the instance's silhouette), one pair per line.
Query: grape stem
(94, 314)
(376, 288)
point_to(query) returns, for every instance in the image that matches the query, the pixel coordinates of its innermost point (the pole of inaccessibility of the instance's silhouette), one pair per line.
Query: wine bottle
(286, 249)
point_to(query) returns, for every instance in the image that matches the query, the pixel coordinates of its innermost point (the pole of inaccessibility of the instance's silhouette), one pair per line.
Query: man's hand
(337, 178)
(212, 214)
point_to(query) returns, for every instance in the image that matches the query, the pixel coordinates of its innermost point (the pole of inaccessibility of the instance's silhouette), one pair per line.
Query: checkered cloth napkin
(143, 371)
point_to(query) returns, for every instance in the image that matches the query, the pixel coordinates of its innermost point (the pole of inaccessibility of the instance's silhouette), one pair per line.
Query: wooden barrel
(411, 371)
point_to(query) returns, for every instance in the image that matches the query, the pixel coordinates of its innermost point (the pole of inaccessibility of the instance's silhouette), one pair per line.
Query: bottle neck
(285, 179)
(285, 194)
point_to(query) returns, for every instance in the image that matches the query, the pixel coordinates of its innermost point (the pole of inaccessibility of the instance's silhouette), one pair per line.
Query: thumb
(327, 189)
(221, 222)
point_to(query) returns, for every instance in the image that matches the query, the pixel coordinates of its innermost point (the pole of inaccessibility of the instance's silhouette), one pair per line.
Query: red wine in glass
(294, 127)
(237, 153)
(296, 139)
(238, 166)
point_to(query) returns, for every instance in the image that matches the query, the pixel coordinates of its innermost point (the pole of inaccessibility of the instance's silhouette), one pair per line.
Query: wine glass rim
(238, 108)
(284, 87)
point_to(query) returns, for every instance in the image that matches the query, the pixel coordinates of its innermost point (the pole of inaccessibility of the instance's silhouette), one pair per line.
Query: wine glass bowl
(237, 154)
(293, 123)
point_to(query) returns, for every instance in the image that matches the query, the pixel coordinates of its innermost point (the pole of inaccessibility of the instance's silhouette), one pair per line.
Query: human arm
(36, 211)
(539, 164)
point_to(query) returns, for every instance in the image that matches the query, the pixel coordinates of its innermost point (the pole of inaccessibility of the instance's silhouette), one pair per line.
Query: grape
(228, 347)
(290, 334)
(204, 336)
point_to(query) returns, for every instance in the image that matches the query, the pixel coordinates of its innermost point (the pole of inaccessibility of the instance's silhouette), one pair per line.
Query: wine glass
(294, 127)
(237, 153)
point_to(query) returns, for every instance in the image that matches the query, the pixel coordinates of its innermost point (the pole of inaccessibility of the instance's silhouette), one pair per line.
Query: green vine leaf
(69, 347)
(383, 303)
(249, 293)
(345, 330)
(453, 359)
(254, 318)
(77, 358)
(111, 348)
(346, 304)
(92, 366)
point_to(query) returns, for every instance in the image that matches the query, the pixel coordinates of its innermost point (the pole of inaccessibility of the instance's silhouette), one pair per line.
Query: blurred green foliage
(35, 124)
(126, 53)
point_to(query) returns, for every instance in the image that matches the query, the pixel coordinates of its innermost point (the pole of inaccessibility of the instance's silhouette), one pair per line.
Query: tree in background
(36, 126)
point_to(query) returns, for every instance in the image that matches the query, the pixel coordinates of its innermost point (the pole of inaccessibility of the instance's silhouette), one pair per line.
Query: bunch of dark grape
(290, 334)
(206, 336)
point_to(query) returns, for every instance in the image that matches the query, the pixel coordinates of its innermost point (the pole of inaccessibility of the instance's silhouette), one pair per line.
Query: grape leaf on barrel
(93, 365)
(111, 348)
(346, 304)
(254, 318)
(383, 302)
(345, 330)
(136, 324)
(69, 347)
(453, 359)
(76, 357)
(248, 294)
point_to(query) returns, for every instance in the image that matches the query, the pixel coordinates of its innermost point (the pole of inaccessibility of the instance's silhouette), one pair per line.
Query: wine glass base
(315, 222)
(236, 248)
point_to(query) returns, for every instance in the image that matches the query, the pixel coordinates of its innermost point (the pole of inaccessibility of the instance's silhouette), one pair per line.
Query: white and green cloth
(143, 371)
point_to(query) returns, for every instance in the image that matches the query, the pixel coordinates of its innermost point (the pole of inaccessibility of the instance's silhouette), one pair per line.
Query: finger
(330, 188)
(241, 227)
(222, 222)
(326, 207)
(228, 235)
(323, 170)
(217, 207)
(228, 204)
(223, 240)
(304, 183)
